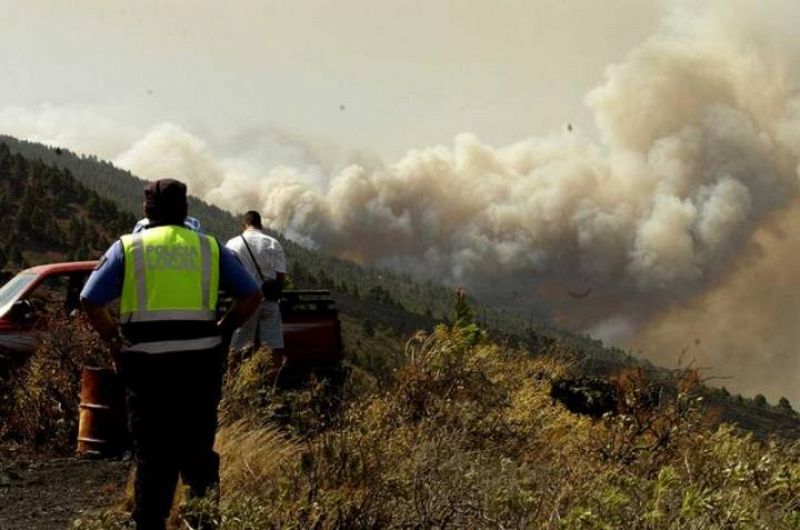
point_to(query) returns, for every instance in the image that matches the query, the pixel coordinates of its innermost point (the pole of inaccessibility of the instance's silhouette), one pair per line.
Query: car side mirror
(21, 311)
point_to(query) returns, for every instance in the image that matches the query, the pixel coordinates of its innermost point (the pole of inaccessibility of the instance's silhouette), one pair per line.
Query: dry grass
(466, 436)
(249, 454)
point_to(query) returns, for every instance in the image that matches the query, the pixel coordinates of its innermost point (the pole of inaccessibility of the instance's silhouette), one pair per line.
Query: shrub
(785, 405)
(42, 406)
(467, 436)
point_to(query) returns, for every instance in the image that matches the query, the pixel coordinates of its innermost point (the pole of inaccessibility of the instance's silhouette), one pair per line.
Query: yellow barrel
(101, 424)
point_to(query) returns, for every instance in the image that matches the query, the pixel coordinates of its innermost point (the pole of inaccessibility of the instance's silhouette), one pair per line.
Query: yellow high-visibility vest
(171, 274)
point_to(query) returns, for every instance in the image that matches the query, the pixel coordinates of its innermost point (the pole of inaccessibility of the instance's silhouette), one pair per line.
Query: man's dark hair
(253, 218)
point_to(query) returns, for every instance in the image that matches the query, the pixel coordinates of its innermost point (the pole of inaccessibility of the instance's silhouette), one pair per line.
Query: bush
(42, 406)
(785, 405)
(467, 436)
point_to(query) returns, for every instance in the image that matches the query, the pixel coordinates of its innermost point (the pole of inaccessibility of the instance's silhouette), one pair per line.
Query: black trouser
(172, 403)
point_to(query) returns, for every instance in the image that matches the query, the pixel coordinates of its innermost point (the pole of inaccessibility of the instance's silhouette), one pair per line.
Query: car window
(13, 288)
(58, 293)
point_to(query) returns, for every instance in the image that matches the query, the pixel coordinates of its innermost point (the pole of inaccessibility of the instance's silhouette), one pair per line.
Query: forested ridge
(48, 215)
(61, 206)
(397, 299)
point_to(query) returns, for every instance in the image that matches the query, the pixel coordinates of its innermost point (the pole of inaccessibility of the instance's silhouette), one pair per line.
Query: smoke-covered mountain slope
(368, 295)
(404, 302)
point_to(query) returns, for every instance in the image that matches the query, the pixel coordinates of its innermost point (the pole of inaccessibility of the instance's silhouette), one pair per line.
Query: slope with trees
(375, 297)
(407, 300)
(48, 215)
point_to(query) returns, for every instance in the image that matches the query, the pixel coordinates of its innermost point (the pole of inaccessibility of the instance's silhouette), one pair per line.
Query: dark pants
(172, 416)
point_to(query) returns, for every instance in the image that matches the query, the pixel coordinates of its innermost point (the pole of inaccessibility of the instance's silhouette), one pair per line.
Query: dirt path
(48, 494)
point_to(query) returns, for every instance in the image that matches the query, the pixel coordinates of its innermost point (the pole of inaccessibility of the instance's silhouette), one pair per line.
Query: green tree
(463, 313)
(75, 232)
(15, 258)
(464, 317)
(368, 327)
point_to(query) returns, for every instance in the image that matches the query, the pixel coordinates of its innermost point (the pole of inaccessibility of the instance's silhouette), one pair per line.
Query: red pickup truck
(311, 329)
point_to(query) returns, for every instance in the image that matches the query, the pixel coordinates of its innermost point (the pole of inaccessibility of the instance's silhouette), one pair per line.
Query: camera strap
(260, 275)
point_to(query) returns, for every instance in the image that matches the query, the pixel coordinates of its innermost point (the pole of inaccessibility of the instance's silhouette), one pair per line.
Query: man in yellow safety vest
(170, 345)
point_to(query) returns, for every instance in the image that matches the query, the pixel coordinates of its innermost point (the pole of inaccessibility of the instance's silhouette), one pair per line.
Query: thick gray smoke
(699, 130)
(743, 330)
(697, 158)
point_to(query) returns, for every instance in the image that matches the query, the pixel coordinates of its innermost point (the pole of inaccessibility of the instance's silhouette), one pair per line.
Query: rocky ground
(38, 493)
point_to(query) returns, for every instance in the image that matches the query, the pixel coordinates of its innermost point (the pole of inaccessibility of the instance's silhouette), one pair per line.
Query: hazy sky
(377, 77)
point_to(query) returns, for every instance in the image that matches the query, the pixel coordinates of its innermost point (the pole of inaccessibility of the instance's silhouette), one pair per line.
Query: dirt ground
(37, 493)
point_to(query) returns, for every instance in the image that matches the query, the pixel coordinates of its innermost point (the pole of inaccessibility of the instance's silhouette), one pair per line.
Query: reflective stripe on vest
(171, 274)
(165, 346)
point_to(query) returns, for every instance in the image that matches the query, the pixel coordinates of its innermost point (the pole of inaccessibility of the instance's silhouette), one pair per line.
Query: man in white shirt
(263, 257)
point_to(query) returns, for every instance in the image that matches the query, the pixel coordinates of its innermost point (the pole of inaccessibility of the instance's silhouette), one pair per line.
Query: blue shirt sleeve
(233, 277)
(105, 283)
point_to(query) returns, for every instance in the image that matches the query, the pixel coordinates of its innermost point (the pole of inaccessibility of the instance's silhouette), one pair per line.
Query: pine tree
(784, 405)
(15, 258)
(368, 327)
(463, 314)
(75, 232)
(464, 317)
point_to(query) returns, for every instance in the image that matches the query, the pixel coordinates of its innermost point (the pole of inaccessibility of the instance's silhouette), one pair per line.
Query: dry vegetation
(39, 399)
(464, 434)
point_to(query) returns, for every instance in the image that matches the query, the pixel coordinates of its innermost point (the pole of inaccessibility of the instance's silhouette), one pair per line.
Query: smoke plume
(639, 234)
(698, 129)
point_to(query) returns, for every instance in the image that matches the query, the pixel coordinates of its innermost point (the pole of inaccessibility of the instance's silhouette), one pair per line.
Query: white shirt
(265, 249)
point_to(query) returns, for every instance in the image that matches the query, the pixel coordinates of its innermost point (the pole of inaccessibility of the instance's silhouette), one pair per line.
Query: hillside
(452, 428)
(411, 300)
(64, 206)
(48, 215)
(464, 434)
